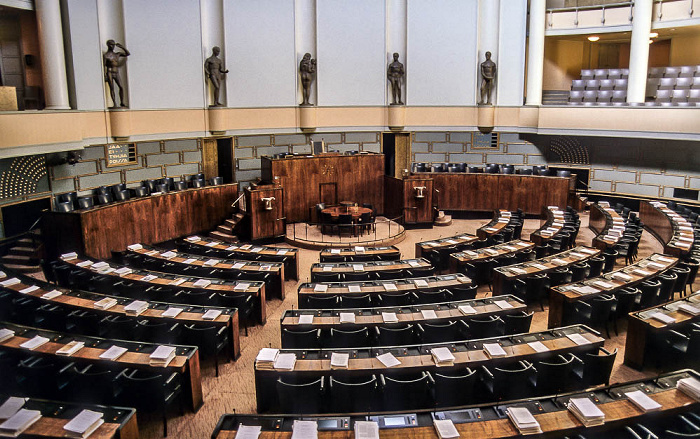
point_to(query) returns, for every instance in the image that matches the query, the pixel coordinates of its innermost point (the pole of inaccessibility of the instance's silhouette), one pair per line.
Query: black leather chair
(197, 183)
(594, 313)
(407, 392)
(69, 197)
(464, 292)
(295, 395)
(94, 383)
(147, 391)
(509, 381)
(85, 202)
(596, 264)
(668, 280)
(532, 289)
(354, 394)
(683, 274)
(122, 195)
(356, 300)
(443, 331)
(489, 326)
(554, 375)
(394, 335)
(321, 302)
(64, 207)
(580, 271)
(518, 323)
(210, 340)
(397, 299)
(103, 199)
(301, 338)
(433, 296)
(151, 185)
(215, 181)
(140, 191)
(454, 387)
(595, 368)
(347, 338)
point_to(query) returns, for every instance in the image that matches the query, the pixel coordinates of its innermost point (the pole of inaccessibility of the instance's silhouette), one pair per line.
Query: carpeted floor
(234, 389)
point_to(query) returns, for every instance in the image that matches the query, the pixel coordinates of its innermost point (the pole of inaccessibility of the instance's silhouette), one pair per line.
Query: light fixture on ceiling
(653, 35)
(593, 38)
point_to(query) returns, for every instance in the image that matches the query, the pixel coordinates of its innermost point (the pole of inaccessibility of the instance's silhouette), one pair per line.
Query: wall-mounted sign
(120, 154)
(484, 141)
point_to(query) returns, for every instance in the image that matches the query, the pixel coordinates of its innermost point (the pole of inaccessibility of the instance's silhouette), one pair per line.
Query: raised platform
(309, 236)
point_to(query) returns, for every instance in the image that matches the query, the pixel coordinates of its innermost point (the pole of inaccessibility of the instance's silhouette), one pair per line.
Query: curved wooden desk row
(180, 263)
(486, 192)
(215, 248)
(315, 363)
(359, 253)
(138, 283)
(98, 231)
(446, 281)
(369, 266)
(86, 301)
(423, 249)
(489, 421)
(554, 221)
(674, 231)
(137, 355)
(562, 296)
(120, 422)
(501, 219)
(643, 327)
(514, 247)
(370, 317)
(607, 223)
(503, 277)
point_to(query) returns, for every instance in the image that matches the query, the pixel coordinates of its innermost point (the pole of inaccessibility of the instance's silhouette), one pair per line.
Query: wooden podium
(265, 210)
(412, 196)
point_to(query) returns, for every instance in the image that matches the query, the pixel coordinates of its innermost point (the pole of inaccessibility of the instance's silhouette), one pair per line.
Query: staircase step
(19, 260)
(232, 239)
(27, 269)
(24, 251)
(232, 222)
(225, 228)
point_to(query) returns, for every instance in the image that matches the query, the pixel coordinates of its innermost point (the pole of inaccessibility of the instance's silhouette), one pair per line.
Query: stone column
(535, 52)
(53, 61)
(639, 51)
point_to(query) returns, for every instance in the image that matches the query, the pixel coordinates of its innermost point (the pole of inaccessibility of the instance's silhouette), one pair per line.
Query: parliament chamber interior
(337, 218)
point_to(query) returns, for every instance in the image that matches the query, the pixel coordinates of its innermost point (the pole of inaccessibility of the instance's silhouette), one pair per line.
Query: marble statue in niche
(488, 76)
(214, 67)
(307, 69)
(112, 61)
(395, 74)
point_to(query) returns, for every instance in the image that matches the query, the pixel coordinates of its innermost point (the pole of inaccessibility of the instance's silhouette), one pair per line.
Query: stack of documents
(10, 282)
(559, 262)
(420, 283)
(29, 289)
(366, 430)
(643, 401)
(6, 334)
(266, 357)
(135, 308)
(494, 350)
(586, 289)
(19, 422)
(320, 288)
(442, 356)
(124, 271)
(538, 346)
(354, 288)
(621, 277)
(71, 348)
(202, 283)
(11, 406)
(305, 430)
(339, 360)
(390, 286)
(105, 303)
(347, 317)
(306, 319)
(428, 314)
(211, 244)
(148, 278)
(523, 420)
(84, 424)
(503, 304)
(389, 317)
(248, 431)
(388, 360)
(162, 356)
(99, 265)
(467, 309)
(445, 428)
(212, 314)
(690, 309)
(663, 318)
(172, 312)
(69, 256)
(113, 353)
(241, 286)
(285, 361)
(516, 270)
(169, 255)
(211, 262)
(578, 339)
(690, 386)
(135, 247)
(34, 342)
(193, 238)
(358, 267)
(586, 411)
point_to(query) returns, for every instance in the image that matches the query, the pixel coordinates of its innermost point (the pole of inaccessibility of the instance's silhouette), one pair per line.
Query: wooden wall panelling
(393, 196)
(210, 158)
(265, 223)
(418, 210)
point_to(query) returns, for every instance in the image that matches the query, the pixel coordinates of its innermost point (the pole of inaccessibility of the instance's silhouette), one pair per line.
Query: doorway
(224, 150)
(328, 193)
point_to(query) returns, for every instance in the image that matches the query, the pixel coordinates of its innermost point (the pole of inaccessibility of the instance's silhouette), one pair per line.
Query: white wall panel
(352, 58)
(510, 77)
(442, 44)
(166, 66)
(86, 54)
(260, 53)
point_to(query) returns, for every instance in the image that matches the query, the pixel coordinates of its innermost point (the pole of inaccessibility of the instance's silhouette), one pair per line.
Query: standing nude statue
(395, 73)
(215, 70)
(488, 74)
(112, 61)
(307, 68)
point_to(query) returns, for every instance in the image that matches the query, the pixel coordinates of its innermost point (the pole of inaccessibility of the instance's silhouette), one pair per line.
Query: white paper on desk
(588, 250)
(428, 314)
(202, 283)
(327, 267)
(603, 285)
(491, 251)
(388, 360)
(306, 319)
(148, 278)
(509, 248)
(420, 283)
(621, 277)
(193, 238)
(690, 309)
(285, 361)
(212, 314)
(445, 428)
(189, 261)
(538, 346)
(560, 262)
(238, 265)
(246, 246)
(663, 259)
(169, 255)
(347, 317)
(517, 270)
(389, 317)
(366, 430)
(359, 249)
(640, 272)
(69, 256)
(390, 286)
(51, 294)
(113, 353)
(11, 406)
(34, 342)
(248, 431)
(282, 251)
(663, 318)
(643, 401)
(470, 253)
(578, 339)
(172, 312)
(358, 267)
(414, 263)
(467, 309)
(29, 289)
(241, 286)
(503, 220)
(576, 255)
(211, 262)
(539, 266)
(211, 244)
(267, 354)
(10, 282)
(256, 249)
(503, 304)
(2, 274)
(585, 290)
(124, 271)
(178, 281)
(451, 242)
(20, 421)
(266, 267)
(6, 334)
(354, 288)
(522, 244)
(231, 248)
(304, 429)
(655, 265)
(71, 348)
(335, 251)
(83, 421)
(494, 350)
(340, 360)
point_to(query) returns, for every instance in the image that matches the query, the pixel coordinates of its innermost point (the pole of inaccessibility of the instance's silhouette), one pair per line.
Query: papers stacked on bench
(136, 308)
(523, 420)
(494, 350)
(559, 262)
(84, 424)
(241, 286)
(34, 342)
(266, 358)
(347, 317)
(10, 282)
(503, 304)
(586, 411)
(51, 295)
(538, 346)
(69, 256)
(339, 360)
(389, 317)
(690, 386)
(306, 319)
(305, 430)
(162, 356)
(428, 314)
(124, 271)
(248, 431)
(285, 361)
(643, 401)
(19, 422)
(71, 348)
(135, 247)
(389, 286)
(621, 276)
(320, 288)
(690, 309)
(11, 406)
(586, 289)
(442, 356)
(105, 303)
(29, 289)
(420, 283)
(211, 262)
(99, 265)
(578, 339)
(6, 334)
(202, 283)
(366, 430)
(354, 288)
(467, 309)
(212, 314)
(663, 318)
(445, 428)
(193, 238)
(172, 312)
(113, 353)
(388, 360)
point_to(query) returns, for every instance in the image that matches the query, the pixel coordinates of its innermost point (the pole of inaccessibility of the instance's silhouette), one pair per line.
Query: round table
(355, 211)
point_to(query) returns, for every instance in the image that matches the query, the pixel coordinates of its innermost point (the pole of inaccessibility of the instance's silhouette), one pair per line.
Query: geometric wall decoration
(568, 150)
(23, 176)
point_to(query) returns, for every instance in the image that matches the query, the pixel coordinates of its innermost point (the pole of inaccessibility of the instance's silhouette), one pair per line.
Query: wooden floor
(234, 389)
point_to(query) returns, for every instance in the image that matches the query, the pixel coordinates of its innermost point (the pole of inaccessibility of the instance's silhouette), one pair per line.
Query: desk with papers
(372, 267)
(554, 222)
(423, 249)
(360, 253)
(514, 247)
(608, 225)
(502, 218)
(675, 232)
(562, 296)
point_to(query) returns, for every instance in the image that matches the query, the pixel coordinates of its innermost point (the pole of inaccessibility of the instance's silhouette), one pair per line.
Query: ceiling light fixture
(593, 38)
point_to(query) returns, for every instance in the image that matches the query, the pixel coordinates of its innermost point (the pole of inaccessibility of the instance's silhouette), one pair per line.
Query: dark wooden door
(328, 193)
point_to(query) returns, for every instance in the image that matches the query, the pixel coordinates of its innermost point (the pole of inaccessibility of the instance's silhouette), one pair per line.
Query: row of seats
(103, 195)
(408, 334)
(449, 388)
(619, 97)
(356, 276)
(490, 168)
(654, 72)
(373, 300)
(605, 73)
